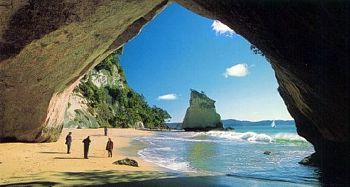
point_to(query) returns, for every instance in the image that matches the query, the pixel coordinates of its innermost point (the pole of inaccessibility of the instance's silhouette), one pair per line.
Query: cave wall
(307, 44)
(45, 48)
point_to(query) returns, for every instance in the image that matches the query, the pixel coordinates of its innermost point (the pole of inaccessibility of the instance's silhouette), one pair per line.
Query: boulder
(201, 114)
(229, 128)
(267, 152)
(311, 160)
(127, 161)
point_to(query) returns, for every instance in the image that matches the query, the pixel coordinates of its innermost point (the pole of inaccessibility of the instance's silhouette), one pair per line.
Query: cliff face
(104, 99)
(201, 114)
(81, 113)
(78, 113)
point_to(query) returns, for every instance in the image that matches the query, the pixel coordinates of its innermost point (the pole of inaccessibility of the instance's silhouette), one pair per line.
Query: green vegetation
(114, 103)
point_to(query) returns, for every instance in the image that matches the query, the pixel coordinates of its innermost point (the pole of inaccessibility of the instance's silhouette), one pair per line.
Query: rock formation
(201, 114)
(46, 46)
(104, 99)
(267, 152)
(307, 44)
(127, 161)
(80, 112)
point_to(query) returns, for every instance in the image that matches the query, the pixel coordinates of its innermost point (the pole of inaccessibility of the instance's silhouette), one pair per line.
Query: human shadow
(52, 152)
(97, 157)
(98, 135)
(68, 158)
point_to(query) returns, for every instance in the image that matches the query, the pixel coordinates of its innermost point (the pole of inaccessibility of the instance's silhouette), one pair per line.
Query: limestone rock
(139, 125)
(78, 114)
(201, 115)
(45, 49)
(127, 161)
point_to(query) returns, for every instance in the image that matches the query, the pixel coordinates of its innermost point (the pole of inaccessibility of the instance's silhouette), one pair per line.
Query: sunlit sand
(48, 163)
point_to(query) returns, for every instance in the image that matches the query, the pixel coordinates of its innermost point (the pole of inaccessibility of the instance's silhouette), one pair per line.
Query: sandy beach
(49, 164)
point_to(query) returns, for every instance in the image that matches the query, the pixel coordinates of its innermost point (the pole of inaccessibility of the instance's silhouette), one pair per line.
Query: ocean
(235, 154)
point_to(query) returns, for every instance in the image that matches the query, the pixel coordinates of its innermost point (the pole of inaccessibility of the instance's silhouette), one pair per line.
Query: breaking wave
(255, 137)
(174, 163)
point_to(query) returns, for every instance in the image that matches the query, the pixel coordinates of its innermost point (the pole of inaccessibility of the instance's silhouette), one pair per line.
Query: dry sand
(48, 163)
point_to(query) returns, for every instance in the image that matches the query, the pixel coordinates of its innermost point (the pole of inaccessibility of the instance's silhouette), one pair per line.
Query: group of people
(86, 142)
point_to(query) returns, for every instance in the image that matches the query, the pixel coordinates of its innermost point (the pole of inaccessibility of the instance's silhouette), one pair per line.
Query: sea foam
(172, 163)
(246, 136)
(254, 137)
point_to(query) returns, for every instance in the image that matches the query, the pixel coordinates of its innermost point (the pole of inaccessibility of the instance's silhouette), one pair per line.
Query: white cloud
(238, 70)
(221, 28)
(167, 97)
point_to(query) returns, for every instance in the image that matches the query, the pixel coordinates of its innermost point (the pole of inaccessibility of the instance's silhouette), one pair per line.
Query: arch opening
(164, 65)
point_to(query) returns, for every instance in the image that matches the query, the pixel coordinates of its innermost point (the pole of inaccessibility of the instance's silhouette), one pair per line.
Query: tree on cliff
(115, 104)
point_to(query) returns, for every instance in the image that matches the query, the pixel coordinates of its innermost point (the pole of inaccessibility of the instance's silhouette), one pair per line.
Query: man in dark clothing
(86, 142)
(109, 147)
(106, 130)
(69, 141)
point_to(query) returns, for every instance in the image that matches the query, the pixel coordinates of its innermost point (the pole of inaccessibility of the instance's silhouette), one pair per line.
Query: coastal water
(237, 154)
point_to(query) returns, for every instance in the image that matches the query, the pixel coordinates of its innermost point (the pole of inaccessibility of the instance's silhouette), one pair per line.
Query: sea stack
(201, 115)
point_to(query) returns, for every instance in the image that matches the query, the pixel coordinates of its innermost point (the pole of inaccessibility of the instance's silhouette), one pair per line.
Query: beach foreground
(48, 163)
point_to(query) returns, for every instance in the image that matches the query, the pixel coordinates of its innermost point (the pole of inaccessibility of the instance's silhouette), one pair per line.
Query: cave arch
(44, 55)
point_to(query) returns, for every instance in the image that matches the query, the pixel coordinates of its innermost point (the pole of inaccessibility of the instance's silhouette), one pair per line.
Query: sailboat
(273, 124)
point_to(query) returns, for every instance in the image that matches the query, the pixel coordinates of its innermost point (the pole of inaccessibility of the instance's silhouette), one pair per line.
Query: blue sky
(180, 50)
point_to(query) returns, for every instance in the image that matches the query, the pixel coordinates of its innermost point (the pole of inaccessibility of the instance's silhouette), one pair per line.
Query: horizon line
(249, 120)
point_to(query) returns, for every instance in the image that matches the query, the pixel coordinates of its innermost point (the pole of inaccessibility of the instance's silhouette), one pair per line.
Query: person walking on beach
(109, 147)
(68, 142)
(86, 142)
(106, 130)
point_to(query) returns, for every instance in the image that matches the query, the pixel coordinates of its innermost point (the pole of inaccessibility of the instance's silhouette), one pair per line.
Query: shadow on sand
(68, 158)
(77, 157)
(53, 152)
(143, 178)
(88, 178)
(140, 178)
(41, 183)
